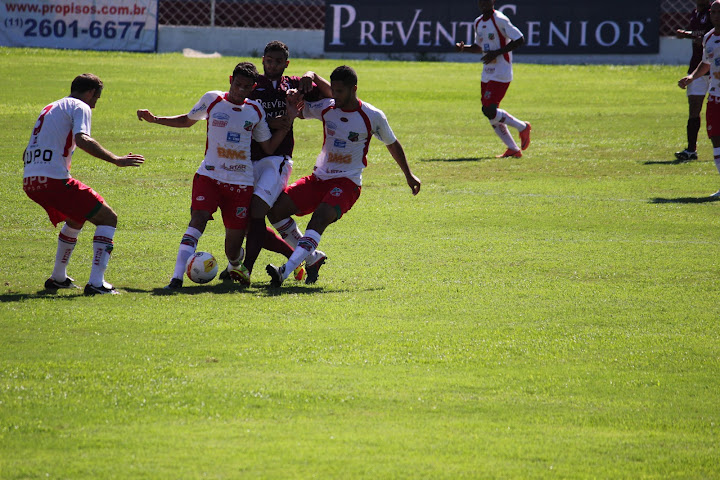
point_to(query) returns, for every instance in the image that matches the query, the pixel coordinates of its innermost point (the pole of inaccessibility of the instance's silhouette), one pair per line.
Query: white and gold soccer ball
(201, 267)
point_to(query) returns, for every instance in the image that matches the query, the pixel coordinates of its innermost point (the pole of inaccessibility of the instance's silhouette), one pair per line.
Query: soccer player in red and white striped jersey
(61, 126)
(334, 186)
(495, 38)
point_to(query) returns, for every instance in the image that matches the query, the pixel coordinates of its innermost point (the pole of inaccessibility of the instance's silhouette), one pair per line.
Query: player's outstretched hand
(459, 46)
(130, 160)
(414, 183)
(146, 115)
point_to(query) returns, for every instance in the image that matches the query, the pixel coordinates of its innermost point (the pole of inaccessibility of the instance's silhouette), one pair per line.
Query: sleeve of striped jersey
(81, 119)
(200, 109)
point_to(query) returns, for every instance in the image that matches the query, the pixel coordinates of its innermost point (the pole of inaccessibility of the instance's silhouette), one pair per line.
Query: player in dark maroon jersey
(700, 24)
(273, 172)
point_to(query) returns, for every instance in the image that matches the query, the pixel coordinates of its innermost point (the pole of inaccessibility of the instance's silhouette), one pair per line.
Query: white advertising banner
(129, 25)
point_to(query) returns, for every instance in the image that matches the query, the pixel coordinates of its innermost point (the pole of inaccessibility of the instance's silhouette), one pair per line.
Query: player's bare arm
(699, 71)
(284, 125)
(307, 80)
(93, 147)
(398, 153)
(177, 121)
(493, 54)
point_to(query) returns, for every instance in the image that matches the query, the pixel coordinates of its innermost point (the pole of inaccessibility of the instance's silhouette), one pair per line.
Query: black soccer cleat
(101, 290)
(686, 155)
(52, 284)
(313, 270)
(175, 284)
(276, 277)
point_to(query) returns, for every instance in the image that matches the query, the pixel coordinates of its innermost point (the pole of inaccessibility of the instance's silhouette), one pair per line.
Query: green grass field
(554, 316)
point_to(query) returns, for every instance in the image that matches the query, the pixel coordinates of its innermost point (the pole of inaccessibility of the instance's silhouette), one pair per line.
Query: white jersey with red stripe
(711, 56)
(492, 33)
(230, 129)
(52, 142)
(347, 137)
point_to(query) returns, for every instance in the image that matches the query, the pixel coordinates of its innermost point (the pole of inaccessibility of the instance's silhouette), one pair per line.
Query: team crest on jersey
(241, 212)
(336, 192)
(248, 125)
(491, 36)
(354, 137)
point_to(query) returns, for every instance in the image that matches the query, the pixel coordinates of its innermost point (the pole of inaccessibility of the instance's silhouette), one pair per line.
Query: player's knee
(490, 111)
(105, 216)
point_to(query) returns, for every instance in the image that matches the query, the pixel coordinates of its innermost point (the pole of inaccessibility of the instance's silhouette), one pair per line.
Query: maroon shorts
(712, 116)
(233, 200)
(493, 92)
(309, 192)
(63, 198)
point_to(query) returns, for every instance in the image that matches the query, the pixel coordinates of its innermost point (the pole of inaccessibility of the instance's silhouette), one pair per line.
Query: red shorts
(493, 92)
(233, 200)
(712, 116)
(63, 198)
(309, 192)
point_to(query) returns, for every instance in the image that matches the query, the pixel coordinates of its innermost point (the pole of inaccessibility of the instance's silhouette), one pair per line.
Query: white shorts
(271, 177)
(699, 86)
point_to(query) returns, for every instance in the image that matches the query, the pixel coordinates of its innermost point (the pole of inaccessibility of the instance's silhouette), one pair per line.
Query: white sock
(102, 248)
(188, 245)
(305, 247)
(502, 131)
(289, 231)
(67, 239)
(716, 154)
(504, 117)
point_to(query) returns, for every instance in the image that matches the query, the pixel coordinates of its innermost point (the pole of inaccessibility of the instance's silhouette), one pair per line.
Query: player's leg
(338, 197)
(323, 216)
(68, 201)
(67, 240)
(712, 119)
(105, 221)
(205, 200)
(235, 204)
(696, 93)
(492, 94)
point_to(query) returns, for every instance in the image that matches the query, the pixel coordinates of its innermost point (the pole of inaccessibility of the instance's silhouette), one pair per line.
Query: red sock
(275, 243)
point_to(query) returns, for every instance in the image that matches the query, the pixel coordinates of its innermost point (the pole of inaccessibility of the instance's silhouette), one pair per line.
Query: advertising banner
(129, 25)
(554, 26)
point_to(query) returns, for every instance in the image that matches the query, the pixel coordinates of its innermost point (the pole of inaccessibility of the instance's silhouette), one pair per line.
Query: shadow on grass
(465, 159)
(666, 162)
(19, 297)
(686, 200)
(221, 289)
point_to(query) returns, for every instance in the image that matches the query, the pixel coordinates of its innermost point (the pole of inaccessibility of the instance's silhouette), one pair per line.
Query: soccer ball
(201, 267)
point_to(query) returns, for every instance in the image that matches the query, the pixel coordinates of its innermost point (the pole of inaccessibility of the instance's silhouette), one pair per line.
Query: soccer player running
(61, 126)
(709, 63)
(700, 24)
(336, 181)
(272, 172)
(225, 177)
(495, 38)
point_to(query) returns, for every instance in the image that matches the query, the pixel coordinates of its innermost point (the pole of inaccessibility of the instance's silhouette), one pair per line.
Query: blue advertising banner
(129, 25)
(554, 26)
